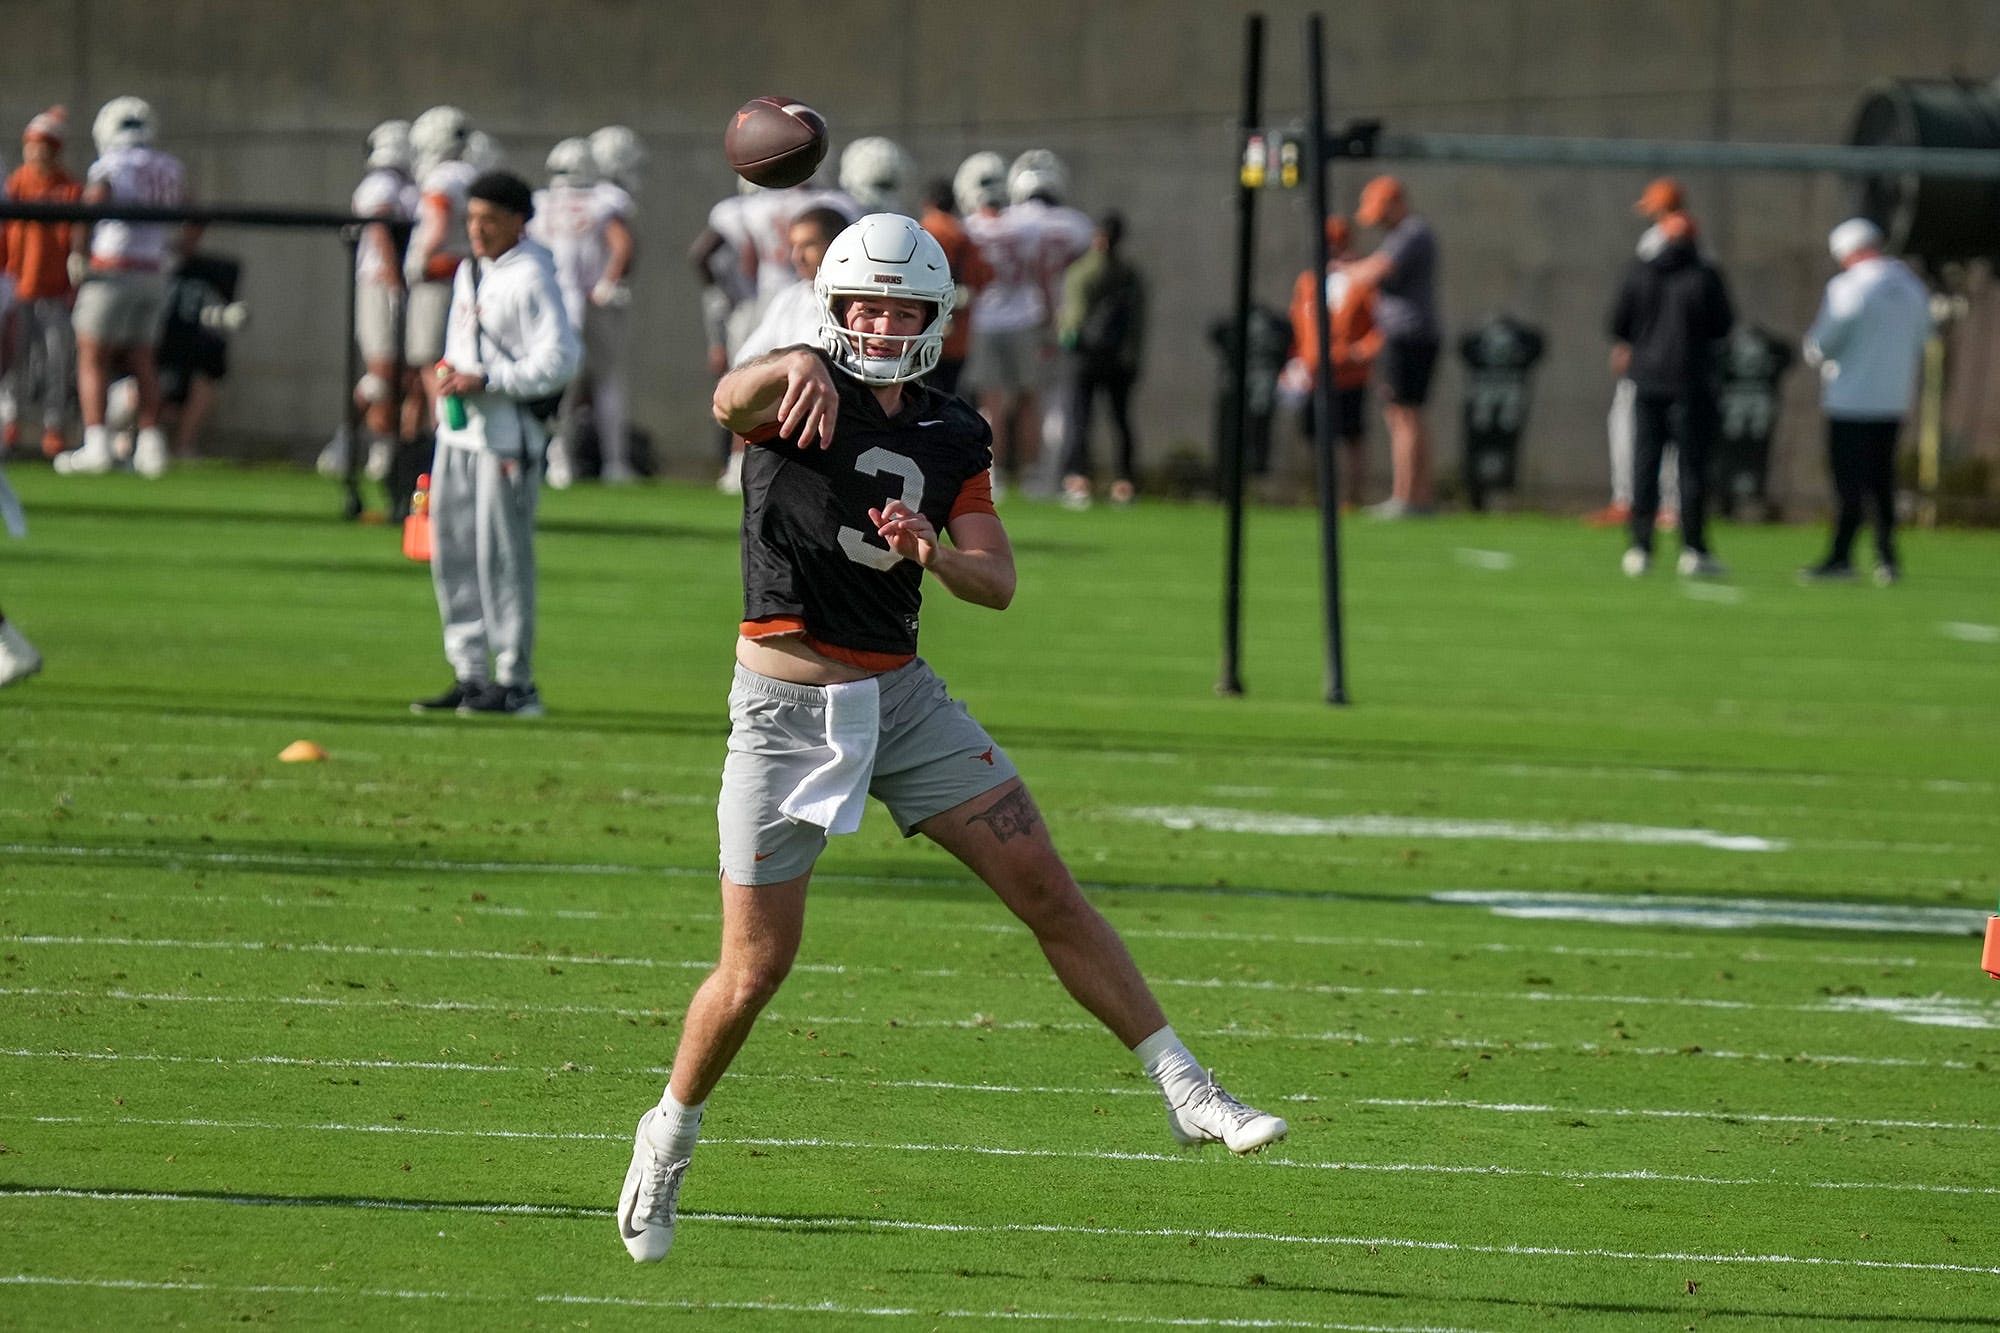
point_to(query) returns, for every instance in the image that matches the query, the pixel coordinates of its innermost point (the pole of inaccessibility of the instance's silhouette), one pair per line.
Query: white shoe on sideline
(149, 455)
(1210, 1115)
(731, 480)
(332, 461)
(1635, 562)
(18, 658)
(1700, 565)
(561, 473)
(651, 1198)
(92, 459)
(381, 457)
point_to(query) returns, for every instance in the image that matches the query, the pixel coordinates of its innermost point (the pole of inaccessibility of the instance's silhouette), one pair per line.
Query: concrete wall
(269, 102)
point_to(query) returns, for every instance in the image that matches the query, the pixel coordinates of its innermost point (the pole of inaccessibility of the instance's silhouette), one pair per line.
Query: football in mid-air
(775, 141)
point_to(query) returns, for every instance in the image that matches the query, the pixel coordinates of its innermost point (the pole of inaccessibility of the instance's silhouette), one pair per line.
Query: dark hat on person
(504, 189)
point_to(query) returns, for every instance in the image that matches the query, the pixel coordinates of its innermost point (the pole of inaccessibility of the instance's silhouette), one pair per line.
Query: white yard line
(1497, 562)
(698, 1306)
(982, 1023)
(1183, 1157)
(1272, 823)
(1716, 912)
(313, 947)
(867, 1224)
(1659, 1113)
(1966, 631)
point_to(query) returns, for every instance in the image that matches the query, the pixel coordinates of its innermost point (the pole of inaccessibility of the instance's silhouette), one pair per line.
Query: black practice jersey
(809, 549)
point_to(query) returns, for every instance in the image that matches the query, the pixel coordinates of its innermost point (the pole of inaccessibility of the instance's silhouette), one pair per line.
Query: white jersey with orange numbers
(767, 221)
(440, 240)
(1014, 299)
(574, 223)
(383, 193)
(136, 175)
(1062, 235)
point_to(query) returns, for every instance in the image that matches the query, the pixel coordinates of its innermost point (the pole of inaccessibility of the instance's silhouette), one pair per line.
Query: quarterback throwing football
(855, 477)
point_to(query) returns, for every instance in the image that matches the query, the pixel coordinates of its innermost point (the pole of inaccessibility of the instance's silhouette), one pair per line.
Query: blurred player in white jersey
(121, 271)
(1038, 185)
(1006, 365)
(878, 175)
(386, 192)
(438, 138)
(723, 263)
(585, 224)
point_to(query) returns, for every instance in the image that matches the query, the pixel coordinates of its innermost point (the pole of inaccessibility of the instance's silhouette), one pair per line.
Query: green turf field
(1613, 958)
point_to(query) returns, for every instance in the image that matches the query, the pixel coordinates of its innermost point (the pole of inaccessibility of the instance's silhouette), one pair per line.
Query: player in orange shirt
(970, 269)
(36, 345)
(1356, 341)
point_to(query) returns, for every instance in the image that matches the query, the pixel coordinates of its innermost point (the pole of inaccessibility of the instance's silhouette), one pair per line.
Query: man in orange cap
(37, 254)
(1403, 273)
(1662, 198)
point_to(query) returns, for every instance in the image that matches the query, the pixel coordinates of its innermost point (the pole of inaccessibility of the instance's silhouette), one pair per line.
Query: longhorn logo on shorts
(986, 758)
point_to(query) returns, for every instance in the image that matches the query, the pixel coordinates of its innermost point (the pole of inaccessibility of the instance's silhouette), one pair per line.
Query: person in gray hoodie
(509, 352)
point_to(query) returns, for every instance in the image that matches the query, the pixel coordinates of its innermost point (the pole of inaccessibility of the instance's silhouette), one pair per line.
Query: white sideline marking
(1966, 631)
(937, 973)
(152, 1057)
(1496, 561)
(450, 907)
(1942, 1011)
(1065, 1229)
(1536, 1108)
(981, 1024)
(1722, 594)
(1182, 1158)
(1717, 913)
(695, 1306)
(1276, 824)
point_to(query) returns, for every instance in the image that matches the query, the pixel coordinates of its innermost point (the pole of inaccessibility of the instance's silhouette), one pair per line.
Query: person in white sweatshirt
(1868, 344)
(509, 352)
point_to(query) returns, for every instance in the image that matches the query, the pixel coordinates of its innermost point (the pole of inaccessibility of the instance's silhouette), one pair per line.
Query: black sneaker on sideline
(451, 700)
(503, 700)
(1827, 571)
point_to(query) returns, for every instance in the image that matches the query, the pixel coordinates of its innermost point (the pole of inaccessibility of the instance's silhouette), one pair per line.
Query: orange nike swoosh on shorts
(762, 856)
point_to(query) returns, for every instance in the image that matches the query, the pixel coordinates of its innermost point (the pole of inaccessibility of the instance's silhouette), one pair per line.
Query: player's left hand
(907, 532)
(459, 382)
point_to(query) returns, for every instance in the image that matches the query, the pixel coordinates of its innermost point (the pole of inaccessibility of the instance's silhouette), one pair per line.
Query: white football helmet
(123, 122)
(884, 254)
(483, 152)
(389, 145)
(1037, 172)
(571, 163)
(981, 182)
(619, 155)
(876, 171)
(440, 134)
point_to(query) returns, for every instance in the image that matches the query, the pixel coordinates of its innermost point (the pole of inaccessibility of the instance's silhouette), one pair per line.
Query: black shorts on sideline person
(1407, 366)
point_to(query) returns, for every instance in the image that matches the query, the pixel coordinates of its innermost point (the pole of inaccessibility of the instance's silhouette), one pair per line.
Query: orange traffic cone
(1989, 961)
(417, 527)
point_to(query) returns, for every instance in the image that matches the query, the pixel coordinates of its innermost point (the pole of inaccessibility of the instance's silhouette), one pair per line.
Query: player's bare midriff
(783, 657)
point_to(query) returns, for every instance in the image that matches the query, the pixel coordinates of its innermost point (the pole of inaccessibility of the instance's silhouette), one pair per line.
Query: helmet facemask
(884, 256)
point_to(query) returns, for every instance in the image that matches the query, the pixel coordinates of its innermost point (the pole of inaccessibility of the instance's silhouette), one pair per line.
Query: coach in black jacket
(1671, 310)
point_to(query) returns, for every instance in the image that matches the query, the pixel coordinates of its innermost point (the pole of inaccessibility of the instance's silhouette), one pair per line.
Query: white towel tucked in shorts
(833, 795)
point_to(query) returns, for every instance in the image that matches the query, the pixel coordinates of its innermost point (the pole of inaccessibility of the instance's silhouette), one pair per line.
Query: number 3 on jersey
(882, 463)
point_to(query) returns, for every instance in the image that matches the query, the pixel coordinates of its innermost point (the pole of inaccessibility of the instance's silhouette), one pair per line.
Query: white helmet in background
(439, 134)
(884, 255)
(123, 122)
(876, 171)
(619, 155)
(483, 152)
(981, 182)
(389, 145)
(572, 163)
(1037, 172)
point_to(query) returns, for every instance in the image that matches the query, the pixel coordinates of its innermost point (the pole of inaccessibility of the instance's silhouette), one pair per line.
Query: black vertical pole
(351, 410)
(1237, 441)
(1329, 477)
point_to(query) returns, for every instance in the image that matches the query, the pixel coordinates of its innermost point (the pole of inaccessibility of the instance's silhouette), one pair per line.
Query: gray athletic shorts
(931, 756)
(375, 308)
(423, 332)
(122, 308)
(1006, 360)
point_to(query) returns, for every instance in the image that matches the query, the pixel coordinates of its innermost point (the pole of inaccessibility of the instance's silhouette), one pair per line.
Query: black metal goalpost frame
(350, 230)
(1260, 146)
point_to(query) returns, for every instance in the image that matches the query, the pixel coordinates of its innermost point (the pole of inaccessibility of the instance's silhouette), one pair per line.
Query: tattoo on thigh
(1011, 814)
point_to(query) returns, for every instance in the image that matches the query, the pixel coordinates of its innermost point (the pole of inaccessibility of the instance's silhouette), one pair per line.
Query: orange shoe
(1611, 516)
(53, 442)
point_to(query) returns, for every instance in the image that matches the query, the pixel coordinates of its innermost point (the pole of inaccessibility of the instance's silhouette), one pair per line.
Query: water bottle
(453, 405)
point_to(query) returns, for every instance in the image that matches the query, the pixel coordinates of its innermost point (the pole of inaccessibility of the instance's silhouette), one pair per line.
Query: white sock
(1171, 1065)
(676, 1127)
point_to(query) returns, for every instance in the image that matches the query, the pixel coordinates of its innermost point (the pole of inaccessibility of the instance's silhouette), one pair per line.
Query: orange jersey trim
(975, 497)
(778, 627)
